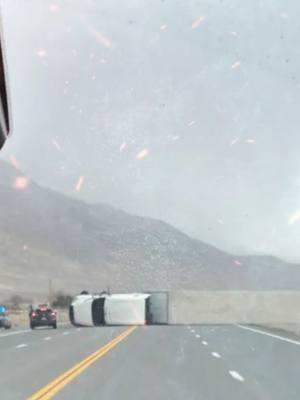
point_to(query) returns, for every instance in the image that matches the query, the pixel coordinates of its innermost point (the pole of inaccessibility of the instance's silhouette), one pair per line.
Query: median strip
(52, 388)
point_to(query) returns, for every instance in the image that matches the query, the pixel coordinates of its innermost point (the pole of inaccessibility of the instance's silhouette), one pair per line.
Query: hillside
(46, 235)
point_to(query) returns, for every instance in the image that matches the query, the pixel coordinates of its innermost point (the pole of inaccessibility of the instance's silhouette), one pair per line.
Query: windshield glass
(150, 191)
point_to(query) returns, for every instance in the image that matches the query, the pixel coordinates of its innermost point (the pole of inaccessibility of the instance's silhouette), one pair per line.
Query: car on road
(4, 320)
(42, 315)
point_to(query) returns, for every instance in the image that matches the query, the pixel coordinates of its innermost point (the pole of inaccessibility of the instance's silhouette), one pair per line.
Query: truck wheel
(54, 326)
(31, 326)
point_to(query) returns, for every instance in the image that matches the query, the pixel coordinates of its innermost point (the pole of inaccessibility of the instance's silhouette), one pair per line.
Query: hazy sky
(187, 111)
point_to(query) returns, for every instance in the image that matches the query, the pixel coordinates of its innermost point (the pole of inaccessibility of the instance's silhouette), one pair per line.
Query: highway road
(158, 362)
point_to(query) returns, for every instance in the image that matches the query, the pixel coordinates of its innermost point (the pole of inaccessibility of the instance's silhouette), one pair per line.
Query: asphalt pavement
(149, 362)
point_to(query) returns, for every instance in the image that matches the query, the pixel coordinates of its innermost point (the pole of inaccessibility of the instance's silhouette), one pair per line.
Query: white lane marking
(66, 333)
(204, 343)
(283, 338)
(215, 354)
(236, 376)
(14, 333)
(48, 338)
(20, 346)
(197, 336)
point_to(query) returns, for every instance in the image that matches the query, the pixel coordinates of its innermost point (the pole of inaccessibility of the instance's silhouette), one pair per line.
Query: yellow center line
(51, 389)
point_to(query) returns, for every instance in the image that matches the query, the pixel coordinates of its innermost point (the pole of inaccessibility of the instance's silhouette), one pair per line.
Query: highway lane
(167, 362)
(207, 362)
(23, 370)
(11, 338)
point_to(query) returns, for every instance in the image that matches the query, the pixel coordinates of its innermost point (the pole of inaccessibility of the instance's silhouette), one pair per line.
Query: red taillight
(53, 314)
(33, 314)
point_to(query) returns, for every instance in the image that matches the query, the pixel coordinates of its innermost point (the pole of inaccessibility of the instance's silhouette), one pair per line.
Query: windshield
(149, 194)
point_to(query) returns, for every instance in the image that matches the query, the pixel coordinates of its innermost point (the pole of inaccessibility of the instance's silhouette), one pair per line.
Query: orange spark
(101, 38)
(21, 182)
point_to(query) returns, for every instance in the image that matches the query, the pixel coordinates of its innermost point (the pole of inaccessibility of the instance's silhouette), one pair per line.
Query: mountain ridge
(47, 235)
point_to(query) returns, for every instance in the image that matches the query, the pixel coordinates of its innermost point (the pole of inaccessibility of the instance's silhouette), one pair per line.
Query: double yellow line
(52, 388)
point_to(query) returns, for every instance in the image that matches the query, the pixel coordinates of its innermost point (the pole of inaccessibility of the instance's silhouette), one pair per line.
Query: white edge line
(20, 346)
(237, 376)
(284, 339)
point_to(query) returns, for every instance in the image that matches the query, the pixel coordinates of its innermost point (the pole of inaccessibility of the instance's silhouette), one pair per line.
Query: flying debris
(123, 146)
(14, 162)
(197, 22)
(294, 217)
(163, 27)
(142, 154)
(41, 53)
(53, 8)
(250, 141)
(79, 183)
(191, 123)
(54, 142)
(234, 141)
(236, 65)
(238, 263)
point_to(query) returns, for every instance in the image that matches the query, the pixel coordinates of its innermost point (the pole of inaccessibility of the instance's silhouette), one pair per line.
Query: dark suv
(42, 315)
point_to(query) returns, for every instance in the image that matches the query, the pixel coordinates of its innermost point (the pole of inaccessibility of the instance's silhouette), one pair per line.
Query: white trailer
(120, 309)
(126, 309)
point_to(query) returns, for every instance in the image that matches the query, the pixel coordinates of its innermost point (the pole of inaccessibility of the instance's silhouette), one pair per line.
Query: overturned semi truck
(119, 309)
